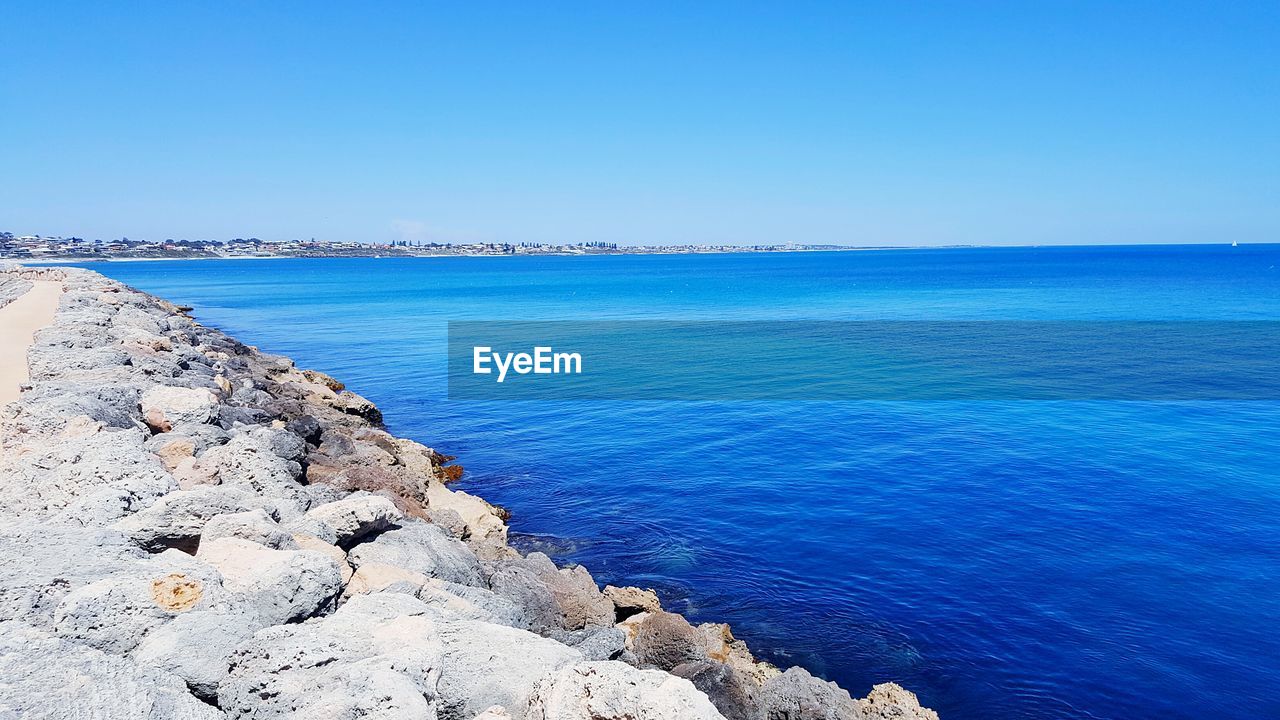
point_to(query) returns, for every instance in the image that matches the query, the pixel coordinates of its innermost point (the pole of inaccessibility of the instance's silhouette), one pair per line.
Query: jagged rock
(47, 677)
(889, 701)
(164, 406)
(93, 479)
(172, 450)
(355, 517)
(113, 614)
(374, 577)
(253, 525)
(311, 542)
(377, 656)
(614, 691)
(481, 519)
(734, 694)
(40, 563)
(277, 585)
(449, 521)
(581, 603)
(423, 548)
(497, 712)
(597, 643)
(665, 640)
(487, 664)
(176, 520)
(467, 602)
(46, 362)
(522, 586)
(247, 461)
(196, 646)
(631, 600)
(797, 695)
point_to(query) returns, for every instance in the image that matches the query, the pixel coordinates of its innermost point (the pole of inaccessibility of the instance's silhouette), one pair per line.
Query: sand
(19, 321)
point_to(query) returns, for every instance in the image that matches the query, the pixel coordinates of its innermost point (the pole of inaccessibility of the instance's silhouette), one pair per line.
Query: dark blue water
(1066, 559)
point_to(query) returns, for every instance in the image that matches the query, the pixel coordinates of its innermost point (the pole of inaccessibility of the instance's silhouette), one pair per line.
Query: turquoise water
(1057, 559)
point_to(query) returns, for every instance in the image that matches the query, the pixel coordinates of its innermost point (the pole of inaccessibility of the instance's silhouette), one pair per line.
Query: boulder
(164, 406)
(374, 577)
(597, 643)
(279, 586)
(114, 613)
(466, 602)
(46, 677)
(483, 522)
(354, 517)
(377, 656)
(41, 562)
(797, 695)
(253, 525)
(615, 691)
(196, 646)
(733, 693)
(889, 701)
(522, 586)
(664, 640)
(92, 479)
(631, 600)
(311, 542)
(487, 664)
(423, 548)
(176, 520)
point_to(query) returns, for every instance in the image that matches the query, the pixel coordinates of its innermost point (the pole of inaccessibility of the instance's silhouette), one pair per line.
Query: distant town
(38, 247)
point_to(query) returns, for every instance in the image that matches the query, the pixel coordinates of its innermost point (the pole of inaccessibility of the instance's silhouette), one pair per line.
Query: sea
(1002, 558)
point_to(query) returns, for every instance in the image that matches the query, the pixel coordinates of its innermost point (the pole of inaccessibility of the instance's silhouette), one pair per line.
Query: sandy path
(19, 321)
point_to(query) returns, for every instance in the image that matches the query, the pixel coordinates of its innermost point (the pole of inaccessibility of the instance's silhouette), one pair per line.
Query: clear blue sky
(855, 123)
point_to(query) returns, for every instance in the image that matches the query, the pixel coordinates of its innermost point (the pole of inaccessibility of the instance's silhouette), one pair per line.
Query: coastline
(189, 510)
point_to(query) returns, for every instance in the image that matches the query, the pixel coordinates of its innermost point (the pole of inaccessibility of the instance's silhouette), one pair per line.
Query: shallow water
(1059, 559)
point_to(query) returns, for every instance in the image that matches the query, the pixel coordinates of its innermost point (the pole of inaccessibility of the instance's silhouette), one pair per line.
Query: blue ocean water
(1064, 559)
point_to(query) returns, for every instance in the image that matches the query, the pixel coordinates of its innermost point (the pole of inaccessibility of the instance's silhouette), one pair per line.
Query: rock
(487, 664)
(40, 563)
(631, 600)
(797, 695)
(466, 602)
(523, 588)
(46, 677)
(423, 548)
(597, 643)
(889, 701)
(482, 520)
(176, 520)
(164, 406)
(665, 640)
(253, 525)
(279, 586)
(377, 577)
(734, 694)
(356, 516)
(196, 647)
(580, 601)
(614, 691)
(311, 542)
(497, 712)
(374, 657)
(631, 627)
(247, 461)
(174, 450)
(113, 614)
(95, 479)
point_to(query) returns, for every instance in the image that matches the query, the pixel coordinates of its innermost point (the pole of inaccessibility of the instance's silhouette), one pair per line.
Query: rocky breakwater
(190, 528)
